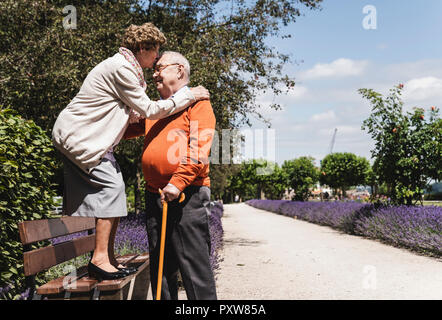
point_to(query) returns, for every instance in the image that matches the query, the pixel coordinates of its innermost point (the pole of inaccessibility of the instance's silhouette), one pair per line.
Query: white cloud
(328, 116)
(423, 89)
(312, 110)
(297, 92)
(344, 131)
(338, 68)
(402, 72)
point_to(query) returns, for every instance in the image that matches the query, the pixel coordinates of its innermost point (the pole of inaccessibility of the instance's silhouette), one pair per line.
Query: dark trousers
(187, 247)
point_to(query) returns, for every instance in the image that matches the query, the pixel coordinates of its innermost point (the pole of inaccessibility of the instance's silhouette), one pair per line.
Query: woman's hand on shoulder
(135, 117)
(200, 93)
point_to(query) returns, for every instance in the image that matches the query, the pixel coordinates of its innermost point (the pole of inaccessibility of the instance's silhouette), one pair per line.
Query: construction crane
(332, 143)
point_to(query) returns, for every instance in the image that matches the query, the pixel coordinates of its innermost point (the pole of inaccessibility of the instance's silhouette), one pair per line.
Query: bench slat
(38, 230)
(133, 258)
(84, 284)
(57, 286)
(87, 284)
(109, 285)
(141, 258)
(44, 258)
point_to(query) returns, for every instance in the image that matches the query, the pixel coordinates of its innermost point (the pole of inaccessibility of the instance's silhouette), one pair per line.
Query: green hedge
(27, 165)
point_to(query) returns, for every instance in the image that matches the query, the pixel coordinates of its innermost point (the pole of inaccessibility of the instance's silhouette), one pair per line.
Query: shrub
(216, 235)
(416, 228)
(27, 164)
(302, 176)
(407, 152)
(131, 235)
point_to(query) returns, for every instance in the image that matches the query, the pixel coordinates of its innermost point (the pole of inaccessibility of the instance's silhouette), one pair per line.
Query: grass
(432, 203)
(66, 267)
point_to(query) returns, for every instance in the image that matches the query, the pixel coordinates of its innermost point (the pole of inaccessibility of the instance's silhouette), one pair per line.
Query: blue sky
(406, 28)
(338, 57)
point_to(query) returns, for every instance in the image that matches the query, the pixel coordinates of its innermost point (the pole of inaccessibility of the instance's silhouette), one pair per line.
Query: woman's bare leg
(103, 228)
(111, 250)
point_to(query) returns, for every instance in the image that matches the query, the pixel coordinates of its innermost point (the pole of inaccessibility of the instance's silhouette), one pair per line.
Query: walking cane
(162, 245)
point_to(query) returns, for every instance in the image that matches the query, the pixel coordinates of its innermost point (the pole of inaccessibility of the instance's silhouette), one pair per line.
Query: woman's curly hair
(147, 36)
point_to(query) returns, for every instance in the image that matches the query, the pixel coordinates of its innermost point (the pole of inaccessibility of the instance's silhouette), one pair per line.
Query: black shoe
(128, 270)
(100, 274)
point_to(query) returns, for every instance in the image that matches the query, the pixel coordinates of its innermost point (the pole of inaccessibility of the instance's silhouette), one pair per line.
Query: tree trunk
(344, 192)
(373, 191)
(259, 192)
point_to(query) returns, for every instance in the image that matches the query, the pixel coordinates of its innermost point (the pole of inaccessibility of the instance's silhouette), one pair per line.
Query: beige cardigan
(99, 113)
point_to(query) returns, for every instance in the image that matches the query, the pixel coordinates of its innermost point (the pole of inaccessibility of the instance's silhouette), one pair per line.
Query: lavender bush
(131, 237)
(216, 235)
(415, 228)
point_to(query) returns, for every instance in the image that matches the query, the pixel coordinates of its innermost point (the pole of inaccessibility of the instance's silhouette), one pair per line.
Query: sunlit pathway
(268, 256)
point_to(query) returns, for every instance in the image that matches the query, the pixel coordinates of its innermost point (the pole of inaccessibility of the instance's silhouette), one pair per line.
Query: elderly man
(175, 159)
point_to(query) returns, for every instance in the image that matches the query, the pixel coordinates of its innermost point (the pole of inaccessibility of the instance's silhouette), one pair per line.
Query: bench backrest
(51, 255)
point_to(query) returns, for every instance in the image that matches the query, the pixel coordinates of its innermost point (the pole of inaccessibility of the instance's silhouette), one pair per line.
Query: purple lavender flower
(216, 234)
(416, 228)
(131, 236)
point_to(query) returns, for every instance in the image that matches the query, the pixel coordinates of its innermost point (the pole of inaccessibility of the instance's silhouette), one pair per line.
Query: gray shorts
(99, 193)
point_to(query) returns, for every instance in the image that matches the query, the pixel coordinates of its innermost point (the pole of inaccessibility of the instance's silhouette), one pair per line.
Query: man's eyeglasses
(159, 68)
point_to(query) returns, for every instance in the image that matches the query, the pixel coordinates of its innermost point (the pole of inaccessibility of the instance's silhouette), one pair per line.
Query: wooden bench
(77, 285)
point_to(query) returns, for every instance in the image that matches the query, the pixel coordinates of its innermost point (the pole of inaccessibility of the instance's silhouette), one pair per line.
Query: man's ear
(180, 72)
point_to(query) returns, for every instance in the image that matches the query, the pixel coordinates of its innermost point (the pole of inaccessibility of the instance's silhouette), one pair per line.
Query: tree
(220, 183)
(42, 65)
(343, 170)
(256, 177)
(276, 183)
(302, 175)
(408, 145)
(248, 183)
(372, 181)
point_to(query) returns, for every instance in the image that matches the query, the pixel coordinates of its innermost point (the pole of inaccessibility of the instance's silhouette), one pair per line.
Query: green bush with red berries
(408, 145)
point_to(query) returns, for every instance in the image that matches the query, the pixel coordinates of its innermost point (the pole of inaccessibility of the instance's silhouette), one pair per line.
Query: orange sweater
(176, 149)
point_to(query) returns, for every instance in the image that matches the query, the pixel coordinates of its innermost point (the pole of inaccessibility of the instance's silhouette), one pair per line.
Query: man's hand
(170, 193)
(200, 93)
(134, 117)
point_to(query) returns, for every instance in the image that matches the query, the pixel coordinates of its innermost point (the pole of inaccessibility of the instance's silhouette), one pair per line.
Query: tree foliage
(276, 183)
(259, 177)
(343, 170)
(408, 145)
(27, 164)
(302, 176)
(42, 65)
(249, 181)
(255, 178)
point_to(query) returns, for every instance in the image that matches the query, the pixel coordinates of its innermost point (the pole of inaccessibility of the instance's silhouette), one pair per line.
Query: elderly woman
(86, 131)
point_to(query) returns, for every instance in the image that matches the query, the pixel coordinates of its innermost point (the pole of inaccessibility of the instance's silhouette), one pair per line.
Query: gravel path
(268, 256)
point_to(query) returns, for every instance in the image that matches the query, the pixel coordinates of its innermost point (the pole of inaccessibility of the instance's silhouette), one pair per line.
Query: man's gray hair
(177, 57)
